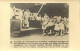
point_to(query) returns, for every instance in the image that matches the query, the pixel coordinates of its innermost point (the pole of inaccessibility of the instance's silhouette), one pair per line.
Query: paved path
(37, 35)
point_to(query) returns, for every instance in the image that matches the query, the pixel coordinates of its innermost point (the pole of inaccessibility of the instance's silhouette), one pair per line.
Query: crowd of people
(56, 25)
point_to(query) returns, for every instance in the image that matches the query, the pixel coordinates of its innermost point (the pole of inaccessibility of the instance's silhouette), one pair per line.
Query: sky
(51, 9)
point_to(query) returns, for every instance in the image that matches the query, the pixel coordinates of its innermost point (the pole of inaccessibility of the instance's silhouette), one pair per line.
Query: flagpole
(41, 8)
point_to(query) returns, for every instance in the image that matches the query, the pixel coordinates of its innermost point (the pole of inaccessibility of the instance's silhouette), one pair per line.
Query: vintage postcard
(40, 24)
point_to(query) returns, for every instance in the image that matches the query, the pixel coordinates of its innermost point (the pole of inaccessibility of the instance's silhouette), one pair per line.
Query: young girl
(50, 26)
(56, 29)
(61, 26)
(44, 26)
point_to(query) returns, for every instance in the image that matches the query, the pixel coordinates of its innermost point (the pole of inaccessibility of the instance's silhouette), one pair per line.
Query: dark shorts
(49, 28)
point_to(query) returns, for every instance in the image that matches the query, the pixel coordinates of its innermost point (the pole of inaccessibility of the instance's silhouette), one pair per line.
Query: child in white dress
(61, 26)
(44, 26)
(56, 29)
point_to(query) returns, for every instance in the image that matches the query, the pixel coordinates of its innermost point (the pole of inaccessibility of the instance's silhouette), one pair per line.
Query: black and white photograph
(39, 22)
(40, 25)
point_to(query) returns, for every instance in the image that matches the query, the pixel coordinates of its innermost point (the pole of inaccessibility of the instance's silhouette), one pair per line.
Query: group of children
(56, 25)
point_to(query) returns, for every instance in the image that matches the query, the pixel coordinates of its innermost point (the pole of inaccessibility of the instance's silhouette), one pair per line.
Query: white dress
(44, 24)
(56, 27)
(50, 24)
(27, 15)
(61, 26)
